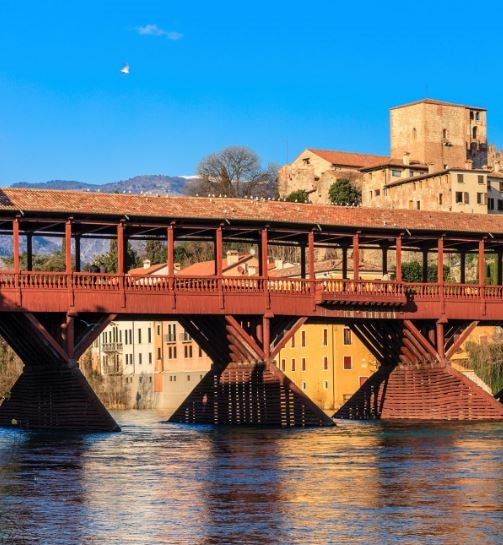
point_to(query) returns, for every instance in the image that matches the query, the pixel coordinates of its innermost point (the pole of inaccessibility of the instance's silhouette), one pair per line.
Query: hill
(155, 183)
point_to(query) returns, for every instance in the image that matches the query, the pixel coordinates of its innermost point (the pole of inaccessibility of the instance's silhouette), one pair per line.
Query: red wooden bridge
(242, 322)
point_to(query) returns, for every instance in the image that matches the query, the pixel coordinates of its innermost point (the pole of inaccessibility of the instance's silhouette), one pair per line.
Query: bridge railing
(324, 288)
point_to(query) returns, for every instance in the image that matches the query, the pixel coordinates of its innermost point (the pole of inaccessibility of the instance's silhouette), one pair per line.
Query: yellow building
(327, 362)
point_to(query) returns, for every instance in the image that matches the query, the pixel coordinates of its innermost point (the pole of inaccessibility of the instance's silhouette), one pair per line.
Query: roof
(349, 159)
(321, 267)
(396, 163)
(92, 206)
(438, 103)
(427, 175)
(147, 270)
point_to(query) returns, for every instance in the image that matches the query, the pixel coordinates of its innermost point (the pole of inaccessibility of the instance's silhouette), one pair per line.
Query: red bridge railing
(329, 289)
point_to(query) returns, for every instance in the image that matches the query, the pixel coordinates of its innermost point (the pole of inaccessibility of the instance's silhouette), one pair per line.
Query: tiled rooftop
(136, 207)
(345, 158)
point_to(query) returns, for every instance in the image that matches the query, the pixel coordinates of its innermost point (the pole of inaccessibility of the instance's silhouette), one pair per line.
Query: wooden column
(15, 245)
(440, 340)
(462, 267)
(310, 248)
(120, 248)
(218, 251)
(344, 262)
(68, 246)
(170, 250)
(29, 252)
(77, 253)
(424, 272)
(266, 342)
(356, 257)
(482, 262)
(264, 270)
(303, 261)
(398, 258)
(385, 259)
(440, 261)
(499, 267)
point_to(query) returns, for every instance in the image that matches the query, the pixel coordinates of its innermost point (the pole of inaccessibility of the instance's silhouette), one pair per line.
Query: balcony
(111, 347)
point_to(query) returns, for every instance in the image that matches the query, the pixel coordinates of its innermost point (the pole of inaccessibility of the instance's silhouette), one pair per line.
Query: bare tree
(235, 171)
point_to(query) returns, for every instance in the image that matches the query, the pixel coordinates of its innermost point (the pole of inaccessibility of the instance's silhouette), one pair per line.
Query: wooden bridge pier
(244, 387)
(415, 379)
(51, 392)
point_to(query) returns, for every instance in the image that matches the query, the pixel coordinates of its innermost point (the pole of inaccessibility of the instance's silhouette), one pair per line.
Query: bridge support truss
(51, 391)
(415, 379)
(244, 386)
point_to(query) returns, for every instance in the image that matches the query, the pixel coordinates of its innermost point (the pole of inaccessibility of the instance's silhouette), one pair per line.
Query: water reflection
(159, 483)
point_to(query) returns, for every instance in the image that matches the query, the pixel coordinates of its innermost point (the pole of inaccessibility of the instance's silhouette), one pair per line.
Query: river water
(160, 483)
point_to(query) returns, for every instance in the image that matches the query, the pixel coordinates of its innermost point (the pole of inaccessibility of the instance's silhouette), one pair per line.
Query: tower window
(474, 133)
(477, 116)
(414, 133)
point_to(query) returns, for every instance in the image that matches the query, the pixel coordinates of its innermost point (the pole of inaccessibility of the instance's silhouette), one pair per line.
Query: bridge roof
(62, 204)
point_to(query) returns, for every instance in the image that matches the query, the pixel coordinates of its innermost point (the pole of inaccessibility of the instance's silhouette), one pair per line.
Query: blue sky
(277, 76)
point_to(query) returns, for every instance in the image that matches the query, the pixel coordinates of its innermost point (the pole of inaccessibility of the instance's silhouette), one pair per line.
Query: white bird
(125, 70)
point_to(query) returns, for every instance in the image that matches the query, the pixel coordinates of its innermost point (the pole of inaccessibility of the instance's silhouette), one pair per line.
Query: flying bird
(125, 70)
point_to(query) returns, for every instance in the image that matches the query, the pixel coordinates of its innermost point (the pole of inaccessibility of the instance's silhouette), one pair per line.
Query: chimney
(252, 270)
(232, 257)
(278, 263)
(177, 267)
(468, 164)
(146, 263)
(406, 158)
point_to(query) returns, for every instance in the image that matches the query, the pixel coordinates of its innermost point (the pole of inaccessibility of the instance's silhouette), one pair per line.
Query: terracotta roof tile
(438, 103)
(345, 158)
(243, 211)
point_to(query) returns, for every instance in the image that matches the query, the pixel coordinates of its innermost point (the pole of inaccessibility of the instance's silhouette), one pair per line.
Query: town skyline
(288, 82)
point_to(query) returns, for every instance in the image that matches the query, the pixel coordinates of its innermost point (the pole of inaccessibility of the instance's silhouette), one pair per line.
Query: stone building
(434, 147)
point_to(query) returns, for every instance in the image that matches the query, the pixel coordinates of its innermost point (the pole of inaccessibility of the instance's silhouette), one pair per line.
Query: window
(158, 353)
(283, 365)
(188, 378)
(418, 205)
(481, 198)
(150, 357)
(501, 186)
(325, 384)
(293, 364)
(303, 364)
(491, 203)
(472, 115)
(347, 336)
(445, 134)
(414, 133)
(347, 362)
(461, 178)
(139, 336)
(396, 172)
(467, 197)
(459, 197)
(303, 338)
(477, 116)
(140, 358)
(304, 385)
(378, 192)
(158, 330)
(440, 199)
(325, 337)
(480, 179)
(149, 334)
(325, 363)
(474, 133)
(500, 205)
(187, 351)
(306, 160)
(371, 194)
(293, 341)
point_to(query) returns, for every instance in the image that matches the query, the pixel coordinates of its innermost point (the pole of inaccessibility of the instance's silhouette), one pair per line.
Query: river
(160, 483)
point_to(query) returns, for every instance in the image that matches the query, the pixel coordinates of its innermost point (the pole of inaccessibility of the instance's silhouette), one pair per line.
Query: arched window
(414, 133)
(474, 133)
(445, 134)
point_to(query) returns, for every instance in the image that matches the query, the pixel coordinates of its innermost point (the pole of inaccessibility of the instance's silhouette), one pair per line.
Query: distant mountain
(156, 183)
